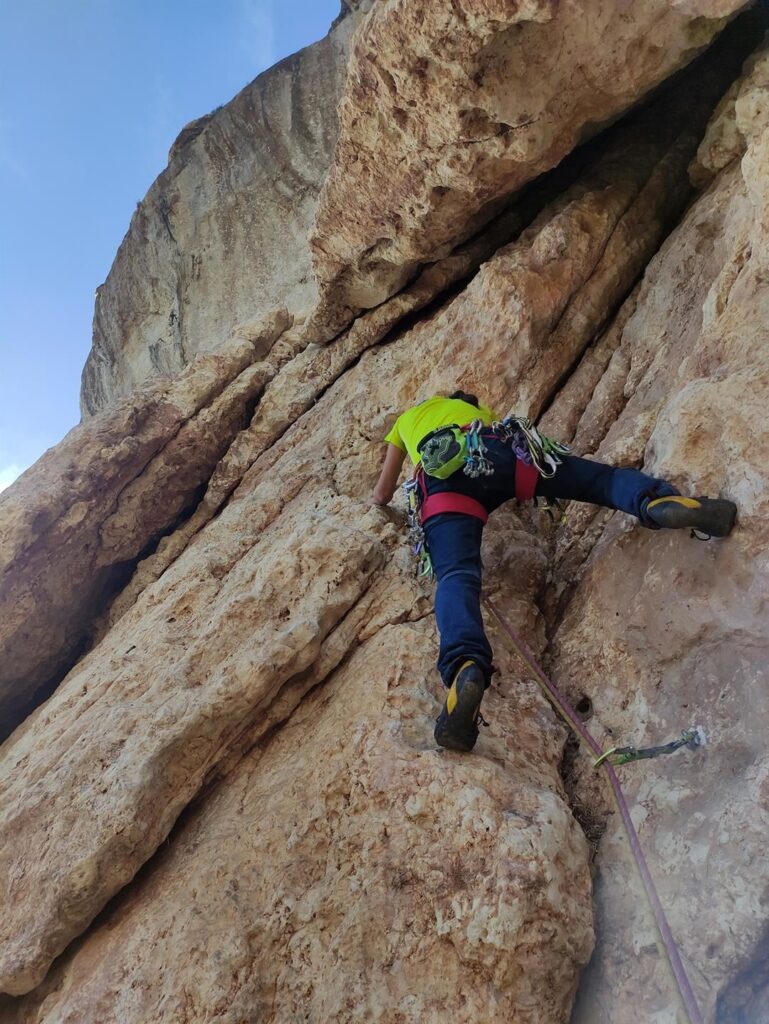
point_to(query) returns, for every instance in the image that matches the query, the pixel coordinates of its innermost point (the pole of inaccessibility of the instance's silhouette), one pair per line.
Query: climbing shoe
(456, 727)
(713, 516)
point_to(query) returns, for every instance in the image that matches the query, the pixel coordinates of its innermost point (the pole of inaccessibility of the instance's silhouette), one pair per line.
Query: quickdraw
(690, 738)
(530, 444)
(476, 461)
(570, 716)
(413, 492)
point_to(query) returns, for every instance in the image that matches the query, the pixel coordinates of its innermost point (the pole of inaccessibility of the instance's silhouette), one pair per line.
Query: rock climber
(468, 463)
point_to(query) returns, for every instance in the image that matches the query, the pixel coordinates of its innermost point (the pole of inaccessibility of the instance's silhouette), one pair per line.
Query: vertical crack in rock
(663, 632)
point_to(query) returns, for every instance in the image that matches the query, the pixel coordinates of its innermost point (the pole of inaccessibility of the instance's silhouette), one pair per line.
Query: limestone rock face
(90, 506)
(662, 632)
(272, 592)
(347, 860)
(742, 113)
(221, 235)
(231, 806)
(450, 106)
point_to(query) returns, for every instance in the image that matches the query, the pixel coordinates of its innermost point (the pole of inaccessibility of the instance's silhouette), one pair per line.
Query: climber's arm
(388, 478)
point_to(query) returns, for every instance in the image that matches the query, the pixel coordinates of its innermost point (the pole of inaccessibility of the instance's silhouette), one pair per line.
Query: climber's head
(463, 396)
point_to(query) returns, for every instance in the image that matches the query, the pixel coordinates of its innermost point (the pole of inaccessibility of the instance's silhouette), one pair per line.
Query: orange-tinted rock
(204, 655)
(450, 107)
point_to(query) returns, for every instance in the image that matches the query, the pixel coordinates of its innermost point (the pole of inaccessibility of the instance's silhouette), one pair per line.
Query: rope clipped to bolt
(690, 738)
(570, 716)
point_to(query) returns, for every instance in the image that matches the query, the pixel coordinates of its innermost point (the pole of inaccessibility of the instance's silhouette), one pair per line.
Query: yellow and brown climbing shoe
(713, 516)
(457, 725)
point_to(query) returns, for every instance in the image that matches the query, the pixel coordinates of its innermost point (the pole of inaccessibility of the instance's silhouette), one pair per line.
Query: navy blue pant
(454, 539)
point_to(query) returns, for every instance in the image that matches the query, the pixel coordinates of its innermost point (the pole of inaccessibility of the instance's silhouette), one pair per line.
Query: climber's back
(416, 423)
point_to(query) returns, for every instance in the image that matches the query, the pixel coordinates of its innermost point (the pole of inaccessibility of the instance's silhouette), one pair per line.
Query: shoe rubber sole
(709, 515)
(453, 727)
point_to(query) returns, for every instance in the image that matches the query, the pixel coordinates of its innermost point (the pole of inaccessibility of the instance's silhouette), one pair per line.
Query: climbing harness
(691, 738)
(448, 449)
(421, 506)
(572, 719)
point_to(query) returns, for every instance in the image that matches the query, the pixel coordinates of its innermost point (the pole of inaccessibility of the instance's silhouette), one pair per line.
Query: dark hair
(463, 396)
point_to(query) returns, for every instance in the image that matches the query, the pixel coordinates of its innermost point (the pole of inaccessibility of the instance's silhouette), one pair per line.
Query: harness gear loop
(412, 492)
(476, 461)
(572, 719)
(530, 444)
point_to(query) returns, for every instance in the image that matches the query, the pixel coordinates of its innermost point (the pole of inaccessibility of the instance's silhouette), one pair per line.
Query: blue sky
(92, 94)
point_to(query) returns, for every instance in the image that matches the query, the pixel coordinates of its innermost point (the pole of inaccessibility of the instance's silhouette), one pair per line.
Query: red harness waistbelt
(450, 501)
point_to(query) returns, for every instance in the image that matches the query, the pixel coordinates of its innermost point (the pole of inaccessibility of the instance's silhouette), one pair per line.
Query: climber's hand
(388, 478)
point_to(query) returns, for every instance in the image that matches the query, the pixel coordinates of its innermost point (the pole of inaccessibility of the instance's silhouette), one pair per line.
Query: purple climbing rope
(562, 705)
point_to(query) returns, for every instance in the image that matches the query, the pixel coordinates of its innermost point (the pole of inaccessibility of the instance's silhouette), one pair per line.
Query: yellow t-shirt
(418, 421)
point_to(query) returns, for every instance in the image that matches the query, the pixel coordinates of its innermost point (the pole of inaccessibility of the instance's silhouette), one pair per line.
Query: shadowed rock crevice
(746, 999)
(494, 63)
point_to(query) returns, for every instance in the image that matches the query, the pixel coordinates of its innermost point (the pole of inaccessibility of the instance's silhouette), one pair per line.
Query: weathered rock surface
(221, 236)
(301, 495)
(345, 861)
(445, 109)
(452, 106)
(742, 113)
(662, 632)
(233, 801)
(89, 507)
